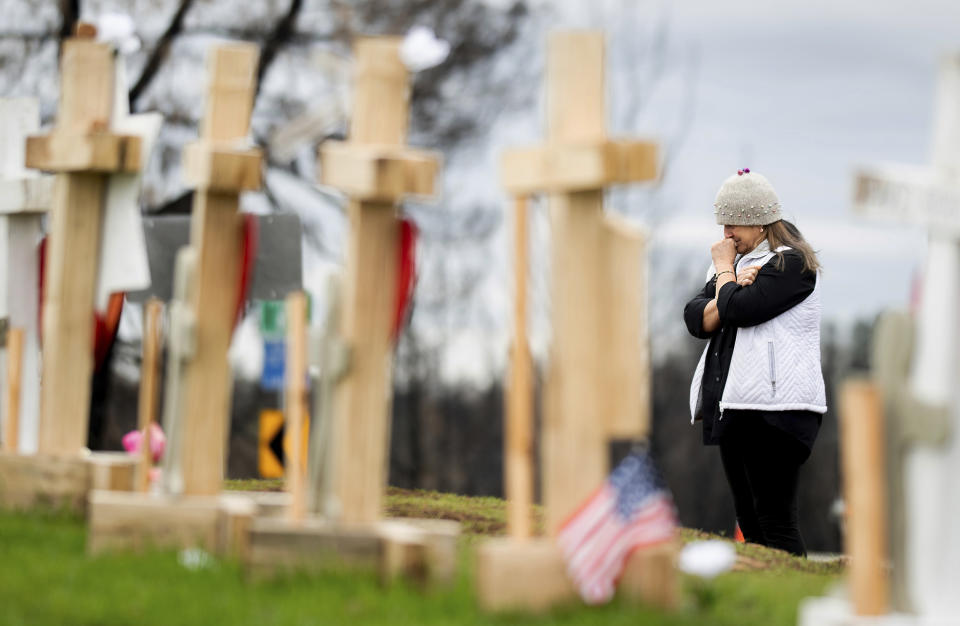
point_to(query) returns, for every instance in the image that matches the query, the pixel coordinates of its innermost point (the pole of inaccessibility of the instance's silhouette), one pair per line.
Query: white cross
(24, 198)
(931, 466)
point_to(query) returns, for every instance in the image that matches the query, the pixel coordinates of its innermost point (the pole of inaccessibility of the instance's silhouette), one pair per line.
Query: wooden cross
(24, 198)
(220, 165)
(191, 511)
(83, 152)
(87, 151)
(597, 386)
(924, 416)
(376, 170)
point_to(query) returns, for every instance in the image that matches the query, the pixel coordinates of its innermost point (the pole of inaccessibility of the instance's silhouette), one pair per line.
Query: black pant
(762, 464)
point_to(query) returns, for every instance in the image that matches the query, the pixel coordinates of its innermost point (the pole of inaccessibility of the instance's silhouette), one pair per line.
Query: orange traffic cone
(737, 535)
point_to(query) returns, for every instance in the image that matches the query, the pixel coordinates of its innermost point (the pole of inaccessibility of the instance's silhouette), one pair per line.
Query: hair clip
(745, 170)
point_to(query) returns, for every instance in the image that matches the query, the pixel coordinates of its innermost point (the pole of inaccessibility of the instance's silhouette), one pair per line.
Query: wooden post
(11, 396)
(573, 424)
(864, 484)
(84, 154)
(597, 385)
(376, 170)
(295, 401)
(625, 375)
(518, 442)
(221, 167)
(149, 370)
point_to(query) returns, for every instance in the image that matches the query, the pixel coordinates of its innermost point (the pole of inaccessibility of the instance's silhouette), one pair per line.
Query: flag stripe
(631, 510)
(657, 526)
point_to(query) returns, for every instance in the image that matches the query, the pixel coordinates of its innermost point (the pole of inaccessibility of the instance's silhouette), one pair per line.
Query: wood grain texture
(531, 575)
(518, 443)
(362, 398)
(651, 578)
(404, 553)
(86, 102)
(112, 471)
(30, 481)
(220, 168)
(579, 166)
(232, 74)
(216, 235)
(278, 545)
(361, 426)
(521, 576)
(441, 538)
(65, 151)
(12, 390)
(576, 102)
(864, 480)
(574, 442)
(234, 520)
(295, 402)
(573, 426)
(381, 94)
(215, 232)
(119, 521)
(375, 172)
(86, 85)
(625, 378)
(149, 389)
(71, 271)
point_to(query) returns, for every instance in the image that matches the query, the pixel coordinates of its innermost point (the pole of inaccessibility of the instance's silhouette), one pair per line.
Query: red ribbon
(406, 269)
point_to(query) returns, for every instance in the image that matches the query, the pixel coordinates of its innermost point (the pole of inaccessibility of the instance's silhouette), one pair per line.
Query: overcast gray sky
(804, 92)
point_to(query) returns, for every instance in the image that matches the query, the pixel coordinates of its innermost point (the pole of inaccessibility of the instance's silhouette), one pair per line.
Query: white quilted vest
(776, 364)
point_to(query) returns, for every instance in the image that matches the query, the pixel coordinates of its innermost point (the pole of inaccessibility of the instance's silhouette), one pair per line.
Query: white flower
(706, 559)
(194, 559)
(422, 50)
(118, 30)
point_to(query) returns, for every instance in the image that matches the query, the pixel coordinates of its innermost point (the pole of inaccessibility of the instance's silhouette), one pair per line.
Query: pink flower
(158, 441)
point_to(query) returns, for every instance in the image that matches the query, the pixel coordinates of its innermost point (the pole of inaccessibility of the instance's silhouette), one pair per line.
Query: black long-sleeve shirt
(773, 292)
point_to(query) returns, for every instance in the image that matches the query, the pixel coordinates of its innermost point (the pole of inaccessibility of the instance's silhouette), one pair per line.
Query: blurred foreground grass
(45, 578)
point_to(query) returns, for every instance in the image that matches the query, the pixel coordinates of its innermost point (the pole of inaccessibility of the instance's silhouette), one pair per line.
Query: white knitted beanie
(747, 199)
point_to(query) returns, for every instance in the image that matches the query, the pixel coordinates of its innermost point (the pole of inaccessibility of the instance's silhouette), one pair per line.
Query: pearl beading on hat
(770, 208)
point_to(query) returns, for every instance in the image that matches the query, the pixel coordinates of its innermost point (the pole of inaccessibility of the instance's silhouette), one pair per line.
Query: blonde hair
(784, 233)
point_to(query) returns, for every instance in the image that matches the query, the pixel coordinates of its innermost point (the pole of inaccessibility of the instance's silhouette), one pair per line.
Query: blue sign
(274, 357)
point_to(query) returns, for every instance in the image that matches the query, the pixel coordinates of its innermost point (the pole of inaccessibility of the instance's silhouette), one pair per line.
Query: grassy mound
(45, 578)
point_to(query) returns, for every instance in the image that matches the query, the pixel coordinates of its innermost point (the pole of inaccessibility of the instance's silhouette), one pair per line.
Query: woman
(758, 388)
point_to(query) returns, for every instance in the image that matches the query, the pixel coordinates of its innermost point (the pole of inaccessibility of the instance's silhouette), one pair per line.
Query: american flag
(632, 509)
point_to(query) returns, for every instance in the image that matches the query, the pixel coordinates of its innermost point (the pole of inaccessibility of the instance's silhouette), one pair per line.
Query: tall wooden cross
(24, 198)
(350, 444)
(597, 385)
(220, 165)
(84, 152)
(925, 547)
(376, 170)
(192, 511)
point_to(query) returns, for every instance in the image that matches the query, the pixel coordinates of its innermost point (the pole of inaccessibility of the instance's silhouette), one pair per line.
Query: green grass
(45, 578)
